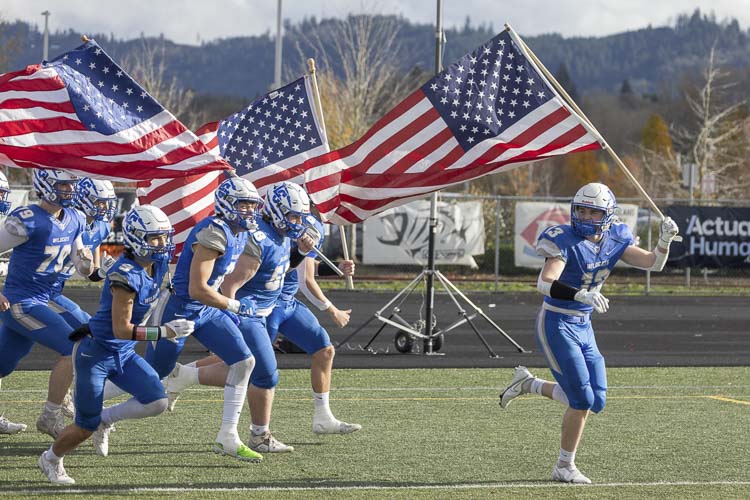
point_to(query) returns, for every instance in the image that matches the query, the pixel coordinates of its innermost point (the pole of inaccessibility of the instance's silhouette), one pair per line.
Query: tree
(564, 79)
(660, 166)
(718, 142)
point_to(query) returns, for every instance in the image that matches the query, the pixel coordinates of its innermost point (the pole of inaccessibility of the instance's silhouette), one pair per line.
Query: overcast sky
(183, 21)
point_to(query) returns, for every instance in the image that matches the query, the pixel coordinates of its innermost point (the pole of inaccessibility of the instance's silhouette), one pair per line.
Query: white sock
(566, 458)
(190, 373)
(111, 390)
(234, 398)
(321, 402)
(536, 386)
(257, 430)
(131, 409)
(50, 455)
(50, 406)
(559, 395)
(192, 364)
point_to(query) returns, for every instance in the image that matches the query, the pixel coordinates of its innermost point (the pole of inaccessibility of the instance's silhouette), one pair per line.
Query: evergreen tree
(564, 79)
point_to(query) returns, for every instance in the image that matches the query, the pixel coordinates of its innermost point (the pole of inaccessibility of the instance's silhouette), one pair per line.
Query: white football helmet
(96, 199)
(141, 224)
(231, 192)
(48, 182)
(4, 194)
(283, 200)
(593, 195)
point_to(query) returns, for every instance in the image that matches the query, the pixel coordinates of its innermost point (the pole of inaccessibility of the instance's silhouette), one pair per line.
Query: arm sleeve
(253, 249)
(10, 239)
(548, 249)
(76, 247)
(212, 238)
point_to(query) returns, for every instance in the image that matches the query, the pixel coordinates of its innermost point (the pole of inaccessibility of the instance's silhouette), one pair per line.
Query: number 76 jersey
(36, 264)
(587, 264)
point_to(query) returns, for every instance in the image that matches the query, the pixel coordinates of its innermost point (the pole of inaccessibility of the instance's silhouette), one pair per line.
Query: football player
(42, 237)
(578, 259)
(211, 252)
(104, 347)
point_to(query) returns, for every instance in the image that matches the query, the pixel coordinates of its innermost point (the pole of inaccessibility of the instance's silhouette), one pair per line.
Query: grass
(667, 432)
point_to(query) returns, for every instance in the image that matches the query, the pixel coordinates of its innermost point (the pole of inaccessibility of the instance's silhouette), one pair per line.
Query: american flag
(267, 142)
(82, 113)
(492, 110)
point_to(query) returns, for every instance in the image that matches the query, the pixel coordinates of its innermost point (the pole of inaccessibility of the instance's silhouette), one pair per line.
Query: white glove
(107, 262)
(593, 298)
(180, 328)
(667, 232)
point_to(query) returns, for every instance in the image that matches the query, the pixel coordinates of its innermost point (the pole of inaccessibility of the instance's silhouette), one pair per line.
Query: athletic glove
(599, 302)
(667, 232)
(181, 328)
(107, 261)
(244, 307)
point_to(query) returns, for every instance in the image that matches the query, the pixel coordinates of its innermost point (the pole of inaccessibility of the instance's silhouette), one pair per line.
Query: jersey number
(54, 253)
(595, 279)
(277, 277)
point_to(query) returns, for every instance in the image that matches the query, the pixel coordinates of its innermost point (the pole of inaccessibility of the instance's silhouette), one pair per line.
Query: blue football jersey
(291, 280)
(93, 235)
(214, 233)
(272, 250)
(587, 264)
(35, 266)
(127, 272)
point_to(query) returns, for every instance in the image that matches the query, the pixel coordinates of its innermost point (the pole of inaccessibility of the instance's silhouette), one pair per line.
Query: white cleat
(333, 426)
(266, 443)
(175, 383)
(569, 475)
(68, 407)
(515, 388)
(8, 427)
(54, 471)
(51, 422)
(100, 439)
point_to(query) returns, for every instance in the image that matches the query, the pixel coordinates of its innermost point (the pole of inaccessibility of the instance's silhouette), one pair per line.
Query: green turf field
(666, 433)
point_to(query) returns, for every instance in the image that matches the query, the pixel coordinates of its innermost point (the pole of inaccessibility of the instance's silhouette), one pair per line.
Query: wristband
(147, 332)
(325, 305)
(96, 275)
(560, 290)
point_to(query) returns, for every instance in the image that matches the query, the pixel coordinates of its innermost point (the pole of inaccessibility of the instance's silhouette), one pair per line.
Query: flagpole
(583, 117)
(319, 111)
(430, 272)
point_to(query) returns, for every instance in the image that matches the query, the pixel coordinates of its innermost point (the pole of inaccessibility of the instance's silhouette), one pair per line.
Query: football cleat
(51, 422)
(54, 471)
(100, 439)
(333, 426)
(266, 443)
(569, 475)
(242, 453)
(68, 407)
(515, 388)
(8, 427)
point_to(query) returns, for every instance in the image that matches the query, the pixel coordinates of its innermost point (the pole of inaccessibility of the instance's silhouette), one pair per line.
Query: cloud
(188, 21)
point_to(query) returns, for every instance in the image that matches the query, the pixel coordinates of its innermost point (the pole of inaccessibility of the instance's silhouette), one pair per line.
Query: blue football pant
(265, 374)
(94, 365)
(26, 323)
(69, 310)
(569, 346)
(298, 324)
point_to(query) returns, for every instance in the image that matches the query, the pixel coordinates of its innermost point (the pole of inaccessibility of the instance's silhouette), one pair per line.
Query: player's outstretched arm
(311, 290)
(655, 260)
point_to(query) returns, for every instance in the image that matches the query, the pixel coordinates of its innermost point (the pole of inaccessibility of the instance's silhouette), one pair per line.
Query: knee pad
(600, 399)
(582, 398)
(266, 381)
(239, 372)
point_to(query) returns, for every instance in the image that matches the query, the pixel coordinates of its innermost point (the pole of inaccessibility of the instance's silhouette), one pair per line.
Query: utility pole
(277, 61)
(45, 43)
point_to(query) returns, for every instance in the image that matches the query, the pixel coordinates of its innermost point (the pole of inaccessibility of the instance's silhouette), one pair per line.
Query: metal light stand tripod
(432, 339)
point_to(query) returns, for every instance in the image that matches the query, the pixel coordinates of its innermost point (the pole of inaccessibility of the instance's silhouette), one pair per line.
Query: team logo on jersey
(259, 236)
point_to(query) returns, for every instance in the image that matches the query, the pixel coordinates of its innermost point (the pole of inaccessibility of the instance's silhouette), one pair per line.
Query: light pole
(45, 43)
(277, 61)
